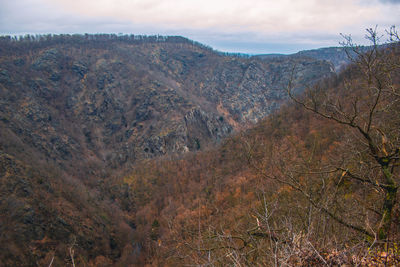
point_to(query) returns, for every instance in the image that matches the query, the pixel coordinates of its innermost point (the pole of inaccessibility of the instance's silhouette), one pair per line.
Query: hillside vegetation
(313, 184)
(109, 100)
(78, 111)
(157, 151)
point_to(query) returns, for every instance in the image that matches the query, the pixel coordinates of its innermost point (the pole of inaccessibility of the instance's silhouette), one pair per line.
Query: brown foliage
(274, 195)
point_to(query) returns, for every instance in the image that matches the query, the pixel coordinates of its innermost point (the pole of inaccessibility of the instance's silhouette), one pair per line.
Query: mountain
(336, 55)
(313, 184)
(340, 57)
(79, 112)
(113, 101)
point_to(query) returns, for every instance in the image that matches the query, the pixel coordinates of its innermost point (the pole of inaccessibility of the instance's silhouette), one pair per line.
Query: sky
(241, 26)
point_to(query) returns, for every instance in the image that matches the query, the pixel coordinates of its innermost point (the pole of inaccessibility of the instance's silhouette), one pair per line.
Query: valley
(160, 151)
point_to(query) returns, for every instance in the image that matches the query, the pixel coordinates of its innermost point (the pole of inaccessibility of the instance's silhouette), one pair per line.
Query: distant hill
(335, 55)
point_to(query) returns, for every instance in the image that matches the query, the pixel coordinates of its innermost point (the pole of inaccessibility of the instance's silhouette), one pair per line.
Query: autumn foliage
(313, 184)
(297, 189)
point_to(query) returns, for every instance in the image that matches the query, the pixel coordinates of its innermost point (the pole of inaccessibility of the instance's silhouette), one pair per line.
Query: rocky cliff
(75, 111)
(112, 100)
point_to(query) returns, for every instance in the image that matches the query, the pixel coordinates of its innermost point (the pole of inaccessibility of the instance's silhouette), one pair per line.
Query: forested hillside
(339, 56)
(110, 100)
(78, 110)
(313, 184)
(158, 151)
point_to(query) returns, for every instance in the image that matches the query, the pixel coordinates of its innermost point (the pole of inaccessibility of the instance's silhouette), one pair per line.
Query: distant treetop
(100, 39)
(40, 40)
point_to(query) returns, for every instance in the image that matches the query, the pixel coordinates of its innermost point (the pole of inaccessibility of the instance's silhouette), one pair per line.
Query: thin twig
(51, 262)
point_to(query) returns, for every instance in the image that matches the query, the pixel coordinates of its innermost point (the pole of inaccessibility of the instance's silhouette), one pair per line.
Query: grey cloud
(39, 16)
(390, 1)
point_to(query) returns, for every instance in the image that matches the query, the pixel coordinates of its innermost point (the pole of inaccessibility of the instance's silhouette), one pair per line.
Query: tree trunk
(388, 204)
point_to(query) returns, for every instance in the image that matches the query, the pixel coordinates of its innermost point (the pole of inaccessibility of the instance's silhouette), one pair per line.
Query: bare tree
(368, 106)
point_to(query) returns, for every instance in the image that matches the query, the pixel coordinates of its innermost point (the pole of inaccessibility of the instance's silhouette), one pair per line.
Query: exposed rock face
(336, 55)
(75, 110)
(116, 101)
(199, 126)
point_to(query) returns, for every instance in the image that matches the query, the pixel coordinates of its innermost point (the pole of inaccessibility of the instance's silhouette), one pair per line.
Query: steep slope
(304, 187)
(112, 101)
(44, 214)
(336, 55)
(77, 111)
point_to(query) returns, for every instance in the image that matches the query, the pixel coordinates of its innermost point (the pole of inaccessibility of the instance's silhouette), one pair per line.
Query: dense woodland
(315, 183)
(29, 41)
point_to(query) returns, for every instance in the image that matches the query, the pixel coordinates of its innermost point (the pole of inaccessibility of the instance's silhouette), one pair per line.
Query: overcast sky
(248, 26)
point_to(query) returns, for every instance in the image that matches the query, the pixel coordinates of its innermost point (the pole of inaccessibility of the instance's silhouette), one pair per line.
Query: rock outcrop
(77, 111)
(115, 101)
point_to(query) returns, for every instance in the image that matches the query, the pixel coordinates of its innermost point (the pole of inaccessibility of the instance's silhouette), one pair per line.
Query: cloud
(390, 1)
(219, 23)
(260, 17)
(229, 15)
